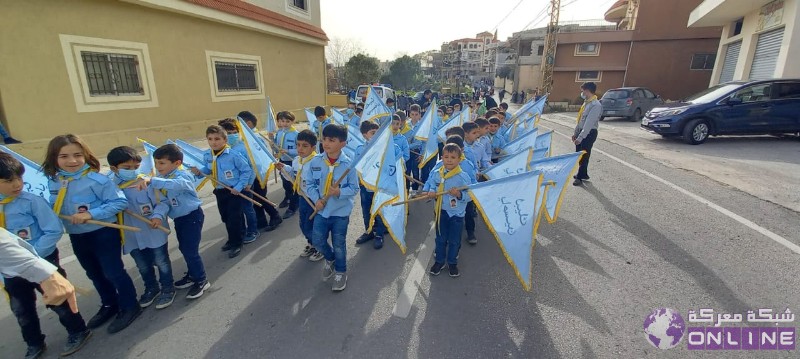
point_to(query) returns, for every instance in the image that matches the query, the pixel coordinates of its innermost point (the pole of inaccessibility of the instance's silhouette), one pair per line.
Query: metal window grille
(236, 77)
(109, 74)
(703, 61)
(588, 75)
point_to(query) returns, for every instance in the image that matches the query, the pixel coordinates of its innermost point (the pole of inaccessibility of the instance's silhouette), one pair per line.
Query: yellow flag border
(563, 190)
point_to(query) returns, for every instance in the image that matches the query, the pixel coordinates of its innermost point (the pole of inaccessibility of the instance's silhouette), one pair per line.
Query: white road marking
(750, 224)
(72, 258)
(406, 298)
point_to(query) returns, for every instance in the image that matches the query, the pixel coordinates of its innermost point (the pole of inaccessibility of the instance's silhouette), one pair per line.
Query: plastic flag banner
(33, 180)
(527, 140)
(508, 206)
(457, 120)
(310, 115)
(148, 165)
(354, 139)
(427, 122)
(259, 154)
(378, 155)
(559, 170)
(338, 117)
(192, 157)
(511, 165)
(271, 125)
(375, 110)
(394, 217)
(539, 153)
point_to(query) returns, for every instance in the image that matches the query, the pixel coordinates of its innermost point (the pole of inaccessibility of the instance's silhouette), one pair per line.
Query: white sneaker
(339, 282)
(315, 256)
(327, 270)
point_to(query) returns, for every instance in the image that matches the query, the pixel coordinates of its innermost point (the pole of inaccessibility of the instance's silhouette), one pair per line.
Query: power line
(509, 13)
(537, 18)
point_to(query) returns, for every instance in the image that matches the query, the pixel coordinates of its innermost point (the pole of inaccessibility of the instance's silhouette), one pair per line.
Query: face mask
(73, 174)
(583, 96)
(233, 139)
(127, 175)
(350, 112)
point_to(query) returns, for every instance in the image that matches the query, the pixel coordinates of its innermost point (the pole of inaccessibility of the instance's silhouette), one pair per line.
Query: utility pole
(550, 47)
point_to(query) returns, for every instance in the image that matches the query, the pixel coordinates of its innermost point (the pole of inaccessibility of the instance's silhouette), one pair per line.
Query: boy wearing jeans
(148, 247)
(333, 203)
(176, 187)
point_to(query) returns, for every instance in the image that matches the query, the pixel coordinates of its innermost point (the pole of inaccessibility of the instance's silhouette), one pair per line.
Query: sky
(413, 26)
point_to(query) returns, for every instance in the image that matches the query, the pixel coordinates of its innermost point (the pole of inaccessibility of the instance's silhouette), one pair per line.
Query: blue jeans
(337, 227)
(148, 258)
(412, 169)
(189, 229)
(448, 238)
(249, 214)
(306, 225)
(366, 202)
(100, 254)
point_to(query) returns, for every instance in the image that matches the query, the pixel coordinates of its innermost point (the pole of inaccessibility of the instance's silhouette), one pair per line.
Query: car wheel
(696, 132)
(637, 115)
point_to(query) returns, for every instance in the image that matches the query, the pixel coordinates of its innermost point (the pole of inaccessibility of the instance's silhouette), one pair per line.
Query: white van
(382, 91)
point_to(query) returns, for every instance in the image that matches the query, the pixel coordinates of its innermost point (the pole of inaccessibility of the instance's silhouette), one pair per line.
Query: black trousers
(232, 212)
(288, 190)
(265, 209)
(585, 145)
(22, 297)
(469, 218)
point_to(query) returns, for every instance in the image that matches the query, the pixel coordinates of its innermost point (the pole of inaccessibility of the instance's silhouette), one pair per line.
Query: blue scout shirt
(402, 143)
(31, 218)
(487, 144)
(177, 190)
(478, 153)
(145, 204)
(286, 139)
(466, 166)
(94, 193)
(453, 206)
(314, 178)
(232, 169)
(497, 141)
(353, 121)
(317, 127)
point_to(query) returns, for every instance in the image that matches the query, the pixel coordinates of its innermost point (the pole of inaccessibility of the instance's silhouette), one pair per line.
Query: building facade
(642, 44)
(760, 38)
(170, 69)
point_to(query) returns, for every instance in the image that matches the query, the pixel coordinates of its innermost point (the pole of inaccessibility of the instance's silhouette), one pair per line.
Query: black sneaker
(103, 315)
(75, 342)
(577, 182)
(148, 297)
(226, 247)
(453, 270)
(366, 237)
(471, 239)
(11, 140)
(35, 351)
(288, 213)
(284, 203)
(378, 244)
(275, 222)
(436, 268)
(307, 252)
(184, 282)
(234, 252)
(198, 289)
(124, 319)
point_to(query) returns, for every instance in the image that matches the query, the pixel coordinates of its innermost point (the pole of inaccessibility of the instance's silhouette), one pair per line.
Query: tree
(506, 73)
(360, 69)
(405, 72)
(338, 51)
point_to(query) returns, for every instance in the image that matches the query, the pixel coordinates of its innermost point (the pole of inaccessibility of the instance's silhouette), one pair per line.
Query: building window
(587, 49)
(235, 77)
(298, 8)
(300, 4)
(736, 27)
(108, 75)
(582, 76)
(540, 50)
(703, 61)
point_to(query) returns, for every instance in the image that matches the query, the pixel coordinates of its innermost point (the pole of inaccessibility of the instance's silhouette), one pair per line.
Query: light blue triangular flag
(34, 180)
(258, 153)
(380, 150)
(510, 165)
(394, 217)
(271, 124)
(375, 110)
(148, 165)
(527, 140)
(559, 170)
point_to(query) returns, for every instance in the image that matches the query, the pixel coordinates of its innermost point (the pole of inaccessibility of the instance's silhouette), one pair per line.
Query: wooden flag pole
(105, 224)
(425, 196)
(145, 220)
(412, 179)
(335, 184)
(229, 188)
(287, 175)
(256, 195)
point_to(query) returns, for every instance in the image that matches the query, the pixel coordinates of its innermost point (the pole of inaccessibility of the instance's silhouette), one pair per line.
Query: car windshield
(617, 94)
(711, 93)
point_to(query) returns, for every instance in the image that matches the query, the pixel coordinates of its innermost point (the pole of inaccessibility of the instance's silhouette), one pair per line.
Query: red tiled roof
(249, 11)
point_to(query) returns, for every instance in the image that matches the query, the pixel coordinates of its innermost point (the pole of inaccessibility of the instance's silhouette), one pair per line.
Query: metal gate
(729, 64)
(766, 56)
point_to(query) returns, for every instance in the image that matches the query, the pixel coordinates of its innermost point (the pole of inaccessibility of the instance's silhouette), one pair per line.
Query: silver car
(629, 102)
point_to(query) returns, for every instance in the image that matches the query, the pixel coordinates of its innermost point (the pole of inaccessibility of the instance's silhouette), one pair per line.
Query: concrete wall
(37, 98)
(529, 77)
(648, 68)
(566, 88)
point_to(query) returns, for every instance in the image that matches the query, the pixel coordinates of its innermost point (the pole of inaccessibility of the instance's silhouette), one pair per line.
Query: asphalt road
(641, 235)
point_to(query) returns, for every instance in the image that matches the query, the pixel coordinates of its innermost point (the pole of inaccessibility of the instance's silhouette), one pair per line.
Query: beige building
(760, 38)
(110, 71)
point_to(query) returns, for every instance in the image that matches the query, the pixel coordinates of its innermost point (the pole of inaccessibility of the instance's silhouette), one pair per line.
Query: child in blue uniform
(286, 140)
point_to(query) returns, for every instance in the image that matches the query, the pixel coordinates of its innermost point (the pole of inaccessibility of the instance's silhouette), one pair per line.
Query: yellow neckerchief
(62, 192)
(580, 112)
(297, 179)
(3, 203)
(329, 177)
(445, 117)
(120, 217)
(440, 188)
(404, 130)
(214, 161)
(127, 184)
(463, 157)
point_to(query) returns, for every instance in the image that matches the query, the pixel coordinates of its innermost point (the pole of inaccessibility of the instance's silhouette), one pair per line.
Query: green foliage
(361, 69)
(405, 72)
